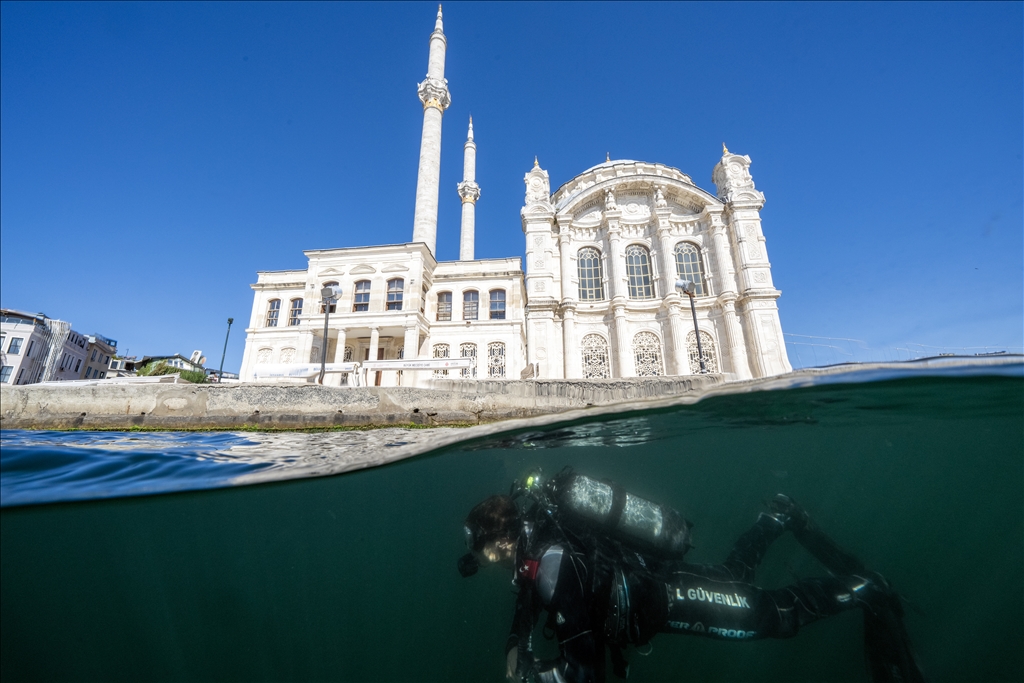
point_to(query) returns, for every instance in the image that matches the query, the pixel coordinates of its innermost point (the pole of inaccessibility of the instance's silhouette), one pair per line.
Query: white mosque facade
(597, 298)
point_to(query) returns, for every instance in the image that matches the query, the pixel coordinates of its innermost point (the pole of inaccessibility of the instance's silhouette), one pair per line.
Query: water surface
(352, 577)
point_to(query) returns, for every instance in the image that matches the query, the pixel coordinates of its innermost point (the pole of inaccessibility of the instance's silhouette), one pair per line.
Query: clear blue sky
(155, 156)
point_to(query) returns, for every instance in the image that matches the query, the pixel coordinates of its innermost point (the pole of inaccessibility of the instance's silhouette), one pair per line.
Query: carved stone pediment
(363, 269)
(331, 271)
(392, 268)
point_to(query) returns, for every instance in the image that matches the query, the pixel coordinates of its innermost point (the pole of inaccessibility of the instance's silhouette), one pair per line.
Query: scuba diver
(608, 567)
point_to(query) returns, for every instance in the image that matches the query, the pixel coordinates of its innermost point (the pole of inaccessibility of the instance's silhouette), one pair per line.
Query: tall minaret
(433, 92)
(470, 192)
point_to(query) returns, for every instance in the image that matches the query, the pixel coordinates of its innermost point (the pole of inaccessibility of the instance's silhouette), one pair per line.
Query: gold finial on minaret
(536, 164)
(725, 150)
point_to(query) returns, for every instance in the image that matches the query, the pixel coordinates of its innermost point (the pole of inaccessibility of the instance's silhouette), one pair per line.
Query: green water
(353, 577)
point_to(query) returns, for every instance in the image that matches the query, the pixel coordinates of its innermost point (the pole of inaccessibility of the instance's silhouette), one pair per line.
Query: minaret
(433, 92)
(470, 192)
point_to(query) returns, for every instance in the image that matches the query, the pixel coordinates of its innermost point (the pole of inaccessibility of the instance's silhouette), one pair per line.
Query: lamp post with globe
(329, 295)
(688, 288)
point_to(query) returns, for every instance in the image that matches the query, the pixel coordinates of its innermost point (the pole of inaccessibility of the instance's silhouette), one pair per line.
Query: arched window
(273, 310)
(444, 306)
(638, 272)
(468, 350)
(689, 266)
(589, 266)
(595, 357)
(470, 305)
(707, 344)
(287, 354)
(441, 351)
(334, 307)
(263, 355)
(496, 359)
(395, 289)
(497, 297)
(647, 354)
(295, 313)
(361, 301)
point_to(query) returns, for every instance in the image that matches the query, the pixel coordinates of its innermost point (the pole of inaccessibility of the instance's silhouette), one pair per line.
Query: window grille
(710, 355)
(295, 314)
(348, 354)
(444, 306)
(647, 354)
(496, 359)
(263, 356)
(497, 297)
(272, 312)
(334, 306)
(596, 363)
(361, 302)
(441, 351)
(638, 272)
(468, 350)
(287, 355)
(470, 305)
(589, 267)
(689, 266)
(395, 288)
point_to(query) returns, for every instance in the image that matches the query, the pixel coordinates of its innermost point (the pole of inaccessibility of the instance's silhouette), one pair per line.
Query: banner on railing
(300, 370)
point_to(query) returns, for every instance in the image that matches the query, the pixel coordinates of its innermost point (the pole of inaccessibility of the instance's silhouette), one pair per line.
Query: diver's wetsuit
(599, 593)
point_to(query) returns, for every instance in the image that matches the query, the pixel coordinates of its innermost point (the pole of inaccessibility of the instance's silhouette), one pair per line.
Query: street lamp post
(220, 372)
(329, 295)
(689, 289)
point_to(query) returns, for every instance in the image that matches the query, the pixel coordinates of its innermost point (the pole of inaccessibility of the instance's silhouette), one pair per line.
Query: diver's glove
(787, 512)
(551, 673)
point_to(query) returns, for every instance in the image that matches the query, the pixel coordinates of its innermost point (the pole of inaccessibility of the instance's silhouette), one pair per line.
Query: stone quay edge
(513, 403)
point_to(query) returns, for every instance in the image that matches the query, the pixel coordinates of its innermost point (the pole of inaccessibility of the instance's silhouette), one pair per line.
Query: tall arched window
(273, 310)
(647, 354)
(470, 305)
(589, 266)
(497, 310)
(395, 289)
(444, 306)
(295, 313)
(441, 351)
(496, 359)
(361, 300)
(468, 350)
(707, 345)
(334, 307)
(690, 266)
(595, 357)
(638, 272)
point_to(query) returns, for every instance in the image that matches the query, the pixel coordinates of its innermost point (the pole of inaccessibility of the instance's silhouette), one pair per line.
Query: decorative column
(469, 191)
(433, 92)
(734, 339)
(668, 261)
(570, 349)
(623, 356)
(542, 286)
(565, 262)
(679, 330)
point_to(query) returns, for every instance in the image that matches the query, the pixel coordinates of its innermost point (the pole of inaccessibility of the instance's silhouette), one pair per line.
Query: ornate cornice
(469, 191)
(433, 92)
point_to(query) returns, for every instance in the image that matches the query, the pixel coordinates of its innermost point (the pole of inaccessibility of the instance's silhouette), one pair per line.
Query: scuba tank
(633, 520)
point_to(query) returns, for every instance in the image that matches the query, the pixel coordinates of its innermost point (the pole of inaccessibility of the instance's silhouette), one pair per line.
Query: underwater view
(148, 556)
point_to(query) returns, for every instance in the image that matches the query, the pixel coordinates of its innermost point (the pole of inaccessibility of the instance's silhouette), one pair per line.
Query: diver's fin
(887, 647)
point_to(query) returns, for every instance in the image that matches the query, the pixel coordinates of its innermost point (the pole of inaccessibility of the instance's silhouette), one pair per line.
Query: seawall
(513, 403)
(211, 406)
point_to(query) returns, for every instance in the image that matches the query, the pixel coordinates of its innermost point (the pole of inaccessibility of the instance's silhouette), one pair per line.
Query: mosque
(597, 298)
